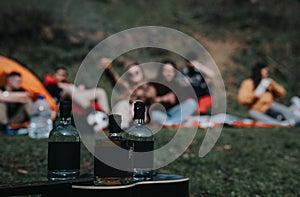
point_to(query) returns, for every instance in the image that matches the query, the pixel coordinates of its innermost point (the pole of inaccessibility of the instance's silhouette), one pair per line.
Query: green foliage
(53, 33)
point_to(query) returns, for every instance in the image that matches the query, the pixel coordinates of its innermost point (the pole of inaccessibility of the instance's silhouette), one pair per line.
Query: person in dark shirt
(52, 82)
(15, 105)
(175, 102)
(198, 76)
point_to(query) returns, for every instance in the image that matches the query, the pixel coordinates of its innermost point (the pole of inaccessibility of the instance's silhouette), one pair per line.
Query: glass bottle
(109, 149)
(141, 139)
(64, 147)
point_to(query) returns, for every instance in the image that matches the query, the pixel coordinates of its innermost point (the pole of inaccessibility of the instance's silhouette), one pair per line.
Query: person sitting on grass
(83, 97)
(15, 106)
(172, 102)
(131, 88)
(199, 76)
(258, 93)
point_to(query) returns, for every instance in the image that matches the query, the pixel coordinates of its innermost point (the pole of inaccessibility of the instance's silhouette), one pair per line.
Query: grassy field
(244, 162)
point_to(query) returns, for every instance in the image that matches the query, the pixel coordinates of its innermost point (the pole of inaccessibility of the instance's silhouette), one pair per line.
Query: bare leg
(3, 114)
(78, 96)
(84, 97)
(101, 97)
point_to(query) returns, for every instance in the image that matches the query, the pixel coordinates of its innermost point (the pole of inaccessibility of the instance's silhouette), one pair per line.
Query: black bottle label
(111, 152)
(143, 154)
(63, 155)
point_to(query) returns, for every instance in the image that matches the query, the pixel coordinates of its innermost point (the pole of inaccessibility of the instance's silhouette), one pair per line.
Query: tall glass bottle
(64, 147)
(104, 174)
(141, 139)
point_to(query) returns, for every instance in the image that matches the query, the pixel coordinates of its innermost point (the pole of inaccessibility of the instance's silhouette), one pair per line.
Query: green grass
(244, 162)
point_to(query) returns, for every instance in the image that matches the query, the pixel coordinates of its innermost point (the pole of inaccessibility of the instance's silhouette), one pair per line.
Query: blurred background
(237, 33)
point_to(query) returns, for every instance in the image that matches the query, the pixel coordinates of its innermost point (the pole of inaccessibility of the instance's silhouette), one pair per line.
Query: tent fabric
(30, 82)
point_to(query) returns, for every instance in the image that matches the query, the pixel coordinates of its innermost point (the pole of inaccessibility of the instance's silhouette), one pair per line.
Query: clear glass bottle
(141, 139)
(64, 147)
(105, 174)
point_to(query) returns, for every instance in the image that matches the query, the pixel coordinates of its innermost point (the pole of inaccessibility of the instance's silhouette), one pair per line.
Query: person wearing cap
(15, 105)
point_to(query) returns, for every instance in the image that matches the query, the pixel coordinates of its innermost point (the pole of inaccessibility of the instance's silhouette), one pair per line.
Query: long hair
(160, 73)
(129, 66)
(256, 74)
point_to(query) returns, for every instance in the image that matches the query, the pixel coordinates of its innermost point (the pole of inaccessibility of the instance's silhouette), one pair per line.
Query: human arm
(107, 64)
(276, 88)
(145, 92)
(114, 76)
(203, 69)
(246, 92)
(167, 98)
(14, 97)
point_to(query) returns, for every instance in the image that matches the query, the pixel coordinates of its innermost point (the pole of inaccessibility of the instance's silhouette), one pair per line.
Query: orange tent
(30, 82)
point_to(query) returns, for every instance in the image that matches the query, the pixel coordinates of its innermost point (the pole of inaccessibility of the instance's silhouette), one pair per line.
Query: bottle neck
(65, 120)
(139, 121)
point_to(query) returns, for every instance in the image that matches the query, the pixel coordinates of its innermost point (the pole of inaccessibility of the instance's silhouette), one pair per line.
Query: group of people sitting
(166, 97)
(172, 97)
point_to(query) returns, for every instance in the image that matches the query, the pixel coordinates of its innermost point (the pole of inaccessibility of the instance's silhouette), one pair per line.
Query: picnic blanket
(218, 120)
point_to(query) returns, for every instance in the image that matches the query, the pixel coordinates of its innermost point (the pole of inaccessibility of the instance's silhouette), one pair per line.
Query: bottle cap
(139, 110)
(65, 108)
(114, 121)
(41, 96)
